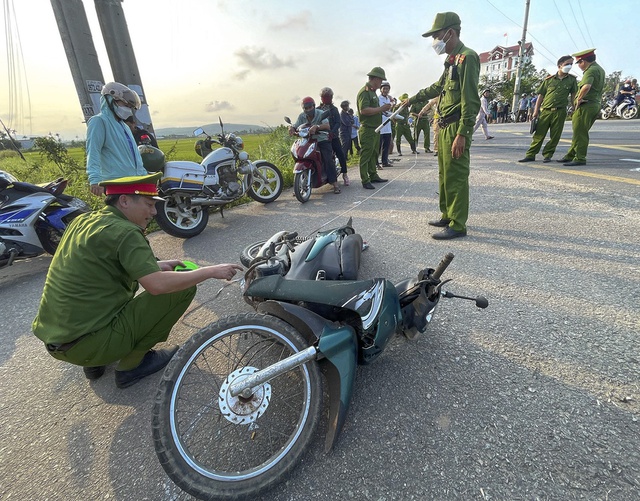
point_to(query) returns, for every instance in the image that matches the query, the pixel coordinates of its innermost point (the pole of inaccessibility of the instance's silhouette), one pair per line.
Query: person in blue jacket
(112, 152)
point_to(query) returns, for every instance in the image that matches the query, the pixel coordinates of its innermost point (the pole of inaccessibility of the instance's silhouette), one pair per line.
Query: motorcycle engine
(229, 180)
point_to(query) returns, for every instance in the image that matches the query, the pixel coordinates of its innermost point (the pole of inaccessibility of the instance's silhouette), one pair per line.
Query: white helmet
(123, 93)
(385, 83)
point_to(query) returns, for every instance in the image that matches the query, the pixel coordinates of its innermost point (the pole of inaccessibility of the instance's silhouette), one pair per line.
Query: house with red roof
(500, 63)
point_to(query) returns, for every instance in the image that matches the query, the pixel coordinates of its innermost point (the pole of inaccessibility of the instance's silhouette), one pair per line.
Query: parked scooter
(224, 175)
(239, 403)
(308, 172)
(627, 109)
(33, 217)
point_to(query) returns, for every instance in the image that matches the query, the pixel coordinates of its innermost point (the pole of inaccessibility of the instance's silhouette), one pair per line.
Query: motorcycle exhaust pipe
(206, 202)
(244, 387)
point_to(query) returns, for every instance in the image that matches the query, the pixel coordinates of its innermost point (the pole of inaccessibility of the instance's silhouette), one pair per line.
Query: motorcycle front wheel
(630, 112)
(266, 191)
(302, 185)
(177, 220)
(606, 113)
(214, 445)
(250, 252)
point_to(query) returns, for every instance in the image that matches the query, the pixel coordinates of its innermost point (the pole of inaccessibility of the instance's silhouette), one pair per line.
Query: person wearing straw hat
(90, 314)
(586, 105)
(457, 109)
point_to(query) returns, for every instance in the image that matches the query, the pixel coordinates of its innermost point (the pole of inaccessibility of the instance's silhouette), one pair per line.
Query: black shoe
(386, 165)
(489, 137)
(93, 373)
(546, 160)
(435, 153)
(426, 150)
(564, 159)
(574, 162)
(440, 223)
(153, 361)
(399, 154)
(448, 233)
(379, 180)
(368, 186)
(527, 159)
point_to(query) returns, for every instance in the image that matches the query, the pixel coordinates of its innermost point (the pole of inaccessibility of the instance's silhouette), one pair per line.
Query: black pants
(342, 158)
(326, 151)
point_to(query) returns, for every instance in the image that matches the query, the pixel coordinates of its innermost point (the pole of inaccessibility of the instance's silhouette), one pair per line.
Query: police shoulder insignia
(460, 58)
(550, 76)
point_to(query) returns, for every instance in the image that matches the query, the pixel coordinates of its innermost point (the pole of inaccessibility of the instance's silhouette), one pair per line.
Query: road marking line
(589, 174)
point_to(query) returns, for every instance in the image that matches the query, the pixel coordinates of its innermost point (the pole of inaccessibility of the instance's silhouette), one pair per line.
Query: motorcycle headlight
(239, 143)
(311, 149)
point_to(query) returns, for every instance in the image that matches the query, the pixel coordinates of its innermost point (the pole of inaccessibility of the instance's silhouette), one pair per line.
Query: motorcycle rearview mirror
(198, 131)
(288, 120)
(481, 301)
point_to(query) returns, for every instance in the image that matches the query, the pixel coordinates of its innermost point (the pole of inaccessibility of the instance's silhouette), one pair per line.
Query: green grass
(273, 147)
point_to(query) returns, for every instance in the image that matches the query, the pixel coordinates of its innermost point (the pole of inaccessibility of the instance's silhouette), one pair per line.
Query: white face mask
(439, 46)
(123, 112)
(566, 68)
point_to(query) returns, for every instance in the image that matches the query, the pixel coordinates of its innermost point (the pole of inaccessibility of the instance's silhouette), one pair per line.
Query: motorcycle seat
(329, 292)
(29, 188)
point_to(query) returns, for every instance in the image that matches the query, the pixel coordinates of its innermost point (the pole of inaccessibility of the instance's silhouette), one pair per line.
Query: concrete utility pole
(522, 42)
(81, 53)
(120, 51)
(83, 60)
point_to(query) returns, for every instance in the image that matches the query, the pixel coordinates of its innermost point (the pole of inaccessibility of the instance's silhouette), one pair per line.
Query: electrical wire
(565, 24)
(577, 23)
(584, 21)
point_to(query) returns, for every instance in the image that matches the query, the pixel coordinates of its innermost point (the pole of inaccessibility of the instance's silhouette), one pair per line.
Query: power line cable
(577, 23)
(584, 21)
(565, 24)
(552, 59)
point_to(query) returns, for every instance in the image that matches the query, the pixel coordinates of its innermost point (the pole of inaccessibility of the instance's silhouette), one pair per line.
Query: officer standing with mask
(370, 114)
(551, 109)
(587, 107)
(457, 109)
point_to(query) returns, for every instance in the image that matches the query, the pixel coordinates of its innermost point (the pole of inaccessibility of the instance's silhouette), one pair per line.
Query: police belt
(448, 120)
(64, 347)
(553, 109)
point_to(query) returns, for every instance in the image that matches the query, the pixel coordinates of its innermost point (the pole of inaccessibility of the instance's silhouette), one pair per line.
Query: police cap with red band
(146, 186)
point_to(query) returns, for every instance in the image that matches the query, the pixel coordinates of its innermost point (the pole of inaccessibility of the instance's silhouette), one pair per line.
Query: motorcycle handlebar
(442, 266)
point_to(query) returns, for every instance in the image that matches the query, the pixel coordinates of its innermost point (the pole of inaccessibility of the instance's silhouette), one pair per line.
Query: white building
(500, 63)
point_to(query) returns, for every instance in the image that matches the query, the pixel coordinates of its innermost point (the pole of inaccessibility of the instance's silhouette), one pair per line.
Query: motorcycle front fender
(338, 346)
(302, 166)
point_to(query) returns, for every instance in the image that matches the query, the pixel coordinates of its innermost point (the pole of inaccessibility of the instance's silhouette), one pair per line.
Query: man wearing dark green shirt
(90, 314)
(370, 114)
(587, 107)
(457, 110)
(551, 109)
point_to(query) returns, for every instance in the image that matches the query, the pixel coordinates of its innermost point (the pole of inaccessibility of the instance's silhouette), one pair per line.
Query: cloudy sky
(252, 61)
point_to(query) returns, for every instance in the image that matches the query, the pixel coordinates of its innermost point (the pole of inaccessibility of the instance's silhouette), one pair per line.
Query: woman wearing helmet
(111, 148)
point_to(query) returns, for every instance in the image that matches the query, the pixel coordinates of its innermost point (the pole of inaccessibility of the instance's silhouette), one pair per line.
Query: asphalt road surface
(536, 397)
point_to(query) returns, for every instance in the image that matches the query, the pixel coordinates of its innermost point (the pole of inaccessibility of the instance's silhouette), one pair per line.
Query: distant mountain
(210, 129)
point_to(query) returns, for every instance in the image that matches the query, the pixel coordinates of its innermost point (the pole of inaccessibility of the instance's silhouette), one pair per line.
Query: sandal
(336, 189)
(345, 178)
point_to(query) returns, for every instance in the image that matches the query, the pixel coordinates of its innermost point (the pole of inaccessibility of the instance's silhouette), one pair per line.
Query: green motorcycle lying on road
(240, 401)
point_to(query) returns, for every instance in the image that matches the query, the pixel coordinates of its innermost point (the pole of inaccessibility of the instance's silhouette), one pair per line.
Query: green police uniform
(422, 124)
(586, 112)
(89, 313)
(555, 92)
(403, 129)
(369, 138)
(458, 107)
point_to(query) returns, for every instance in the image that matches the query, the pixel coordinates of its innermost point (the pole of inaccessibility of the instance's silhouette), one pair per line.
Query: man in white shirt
(482, 115)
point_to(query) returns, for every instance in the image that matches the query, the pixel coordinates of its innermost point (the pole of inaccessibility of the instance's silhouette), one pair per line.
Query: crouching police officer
(90, 314)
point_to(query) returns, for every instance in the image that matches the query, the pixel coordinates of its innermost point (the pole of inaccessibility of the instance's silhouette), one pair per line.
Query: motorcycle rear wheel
(213, 445)
(630, 112)
(606, 113)
(302, 186)
(266, 192)
(178, 222)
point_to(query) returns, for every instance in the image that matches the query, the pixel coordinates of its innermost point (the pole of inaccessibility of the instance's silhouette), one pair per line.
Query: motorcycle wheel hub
(239, 410)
